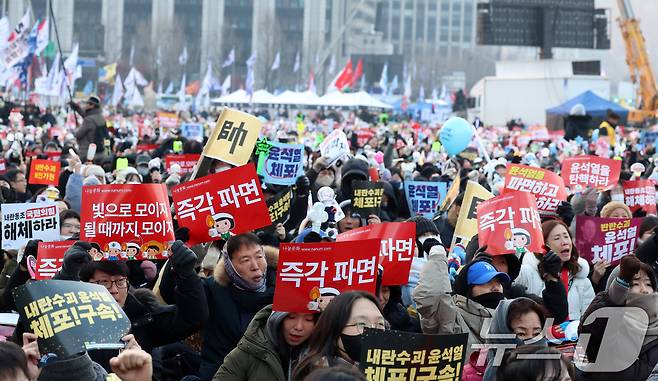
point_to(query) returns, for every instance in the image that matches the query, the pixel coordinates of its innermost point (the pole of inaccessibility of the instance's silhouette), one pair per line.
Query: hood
(392, 199)
(395, 296)
(273, 333)
(499, 322)
(354, 169)
(220, 276)
(256, 339)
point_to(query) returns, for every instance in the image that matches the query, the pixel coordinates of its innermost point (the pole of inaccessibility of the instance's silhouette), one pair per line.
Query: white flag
(160, 88)
(71, 61)
(118, 91)
(394, 84)
(42, 36)
(332, 64)
(435, 95)
(383, 80)
(182, 59)
(444, 93)
(181, 92)
(277, 61)
(252, 60)
(295, 68)
(136, 100)
(230, 59)
(17, 47)
(249, 82)
(407, 87)
(226, 85)
(170, 88)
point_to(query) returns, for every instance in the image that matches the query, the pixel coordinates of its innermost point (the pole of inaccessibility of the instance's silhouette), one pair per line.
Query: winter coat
(578, 125)
(5, 275)
(446, 231)
(74, 191)
(397, 315)
(257, 356)
(231, 311)
(354, 169)
(86, 134)
(579, 295)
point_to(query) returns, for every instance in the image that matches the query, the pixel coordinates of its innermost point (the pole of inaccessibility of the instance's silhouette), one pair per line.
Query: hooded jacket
(86, 134)
(261, 352)
(396, 314)
(354, 169)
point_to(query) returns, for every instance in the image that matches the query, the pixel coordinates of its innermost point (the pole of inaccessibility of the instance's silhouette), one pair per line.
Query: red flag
(344, 79)
(357, 73)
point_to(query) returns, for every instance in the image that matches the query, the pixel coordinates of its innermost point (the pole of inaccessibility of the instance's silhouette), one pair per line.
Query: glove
(565, 212)
(550, 264)
(629, 266)
(182, 234)
(183, 259)
(429, 244)
(303, 185)
(590, 195)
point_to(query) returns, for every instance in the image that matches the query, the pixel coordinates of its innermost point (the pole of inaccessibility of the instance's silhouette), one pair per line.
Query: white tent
(307, 98)
(359, 99)
(263, 97)
(238, 96)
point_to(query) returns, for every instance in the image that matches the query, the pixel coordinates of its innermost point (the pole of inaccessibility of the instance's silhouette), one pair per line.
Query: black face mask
(489, 300)
(352, 345)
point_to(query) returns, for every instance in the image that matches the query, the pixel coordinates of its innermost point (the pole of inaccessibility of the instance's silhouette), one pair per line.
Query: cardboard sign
(309, 271)
(234, 137)
(452, 194)
(546, 186)
(50, 257)
(606, 239)
(640, 194)
(44, 172)
(23, 222)
(131, 221)
(283, 164)
(367, 198)
(71, 317)
(396, 252)
(510, 223)
(467, 223)
(219, 205)
(192, 131)
(596, 172)
(168, 119)
(423, 197)
(279, 207)
(334, 146)
(395, 355)
(186, 162)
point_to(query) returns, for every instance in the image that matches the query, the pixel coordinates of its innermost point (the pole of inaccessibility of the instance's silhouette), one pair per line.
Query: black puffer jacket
(354, 169)
(397, 315)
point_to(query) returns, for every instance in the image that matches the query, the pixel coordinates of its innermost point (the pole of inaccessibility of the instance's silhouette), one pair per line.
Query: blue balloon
(456, 135)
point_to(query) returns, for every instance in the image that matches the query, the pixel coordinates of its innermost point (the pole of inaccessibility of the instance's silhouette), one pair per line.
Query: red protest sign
(606, 239)
(45, 172)
(640, 194)
(215, 206)
(186, 162)
(396, 251)
(590, 171)
(309, 271)
(363, 135)
(168, 119)
(3, 166)
(50, 257)
(146, 147)
(510, 223)
(131, 221)
(54, 155)
(546, 186)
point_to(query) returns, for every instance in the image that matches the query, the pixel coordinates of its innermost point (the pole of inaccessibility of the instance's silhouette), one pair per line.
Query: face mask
(143, 171)
(396, 184)
(352, 345)
(65, 237)
(324, 180)
(489, 300)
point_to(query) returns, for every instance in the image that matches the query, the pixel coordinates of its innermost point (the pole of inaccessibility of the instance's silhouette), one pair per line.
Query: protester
(446, 222)
(395, 312)
(69, 222)
(524, 364)
(93, 129)
(13, 363)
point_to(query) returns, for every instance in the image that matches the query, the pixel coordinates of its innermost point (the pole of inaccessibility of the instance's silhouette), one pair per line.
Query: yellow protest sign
(452, 194)
(234, 137)
(467, 223)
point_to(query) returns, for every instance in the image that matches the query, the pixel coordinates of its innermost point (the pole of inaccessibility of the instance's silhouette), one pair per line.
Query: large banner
(515, 215)
(398, 240)
(185, 161)
(234, 137)
(423, 197)
(283, 164)
(606, 239)
(467, 223)
(130, 221)
(310, 271)
(216, 206)
(547, 187)
(640, 194)
(590, 172)
(50, 258)
(23, 222)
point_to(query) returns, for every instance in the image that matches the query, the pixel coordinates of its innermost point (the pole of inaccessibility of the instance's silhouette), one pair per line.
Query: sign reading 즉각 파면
(234, 137)
(23, 222)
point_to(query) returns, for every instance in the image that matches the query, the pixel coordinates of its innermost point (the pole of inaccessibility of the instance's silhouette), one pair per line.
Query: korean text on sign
(606, 239)
(186, 162)
(547, 186)
(640, 194)
(423, 197)
(279, 207)
(584, 172)
(234, 137)
(45, 172)
(23, 222)
(50, 258)
(283, 164)
(367, 197)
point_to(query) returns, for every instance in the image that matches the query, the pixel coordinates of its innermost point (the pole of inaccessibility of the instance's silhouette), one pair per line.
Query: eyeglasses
(120, 283)
(69, 226)
(360, 327)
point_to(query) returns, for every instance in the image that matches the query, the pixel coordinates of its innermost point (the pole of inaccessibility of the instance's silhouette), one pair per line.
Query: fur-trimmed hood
(271, 256)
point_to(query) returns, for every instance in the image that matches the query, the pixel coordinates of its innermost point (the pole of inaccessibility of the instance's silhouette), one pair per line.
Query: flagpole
(61, 55)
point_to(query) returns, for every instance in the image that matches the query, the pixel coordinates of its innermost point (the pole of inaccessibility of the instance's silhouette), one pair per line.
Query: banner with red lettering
(186, 161)
(398, 240)
(309, 274)
(50, 257)
(128, 221)
(640, 194)
(546, 186)
(44, 172)
(222, 204)
(590, 172)
(510, 223)
(606, 239)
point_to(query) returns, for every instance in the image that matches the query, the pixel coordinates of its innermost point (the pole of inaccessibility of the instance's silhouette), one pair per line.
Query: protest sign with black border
(367, 198)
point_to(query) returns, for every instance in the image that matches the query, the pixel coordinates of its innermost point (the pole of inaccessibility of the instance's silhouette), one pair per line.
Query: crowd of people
(206, 312)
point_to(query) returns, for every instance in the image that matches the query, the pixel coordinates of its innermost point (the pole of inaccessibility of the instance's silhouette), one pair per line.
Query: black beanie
(423, 225)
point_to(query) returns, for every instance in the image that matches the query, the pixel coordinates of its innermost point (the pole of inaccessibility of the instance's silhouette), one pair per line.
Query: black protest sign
(279, 206)
(70, 317)
(367, 197)
(395, 355)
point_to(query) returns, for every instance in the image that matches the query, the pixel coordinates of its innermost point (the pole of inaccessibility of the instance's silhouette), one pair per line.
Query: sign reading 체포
(606, 239)
(423, 197)
(283, 164)
(367, 197)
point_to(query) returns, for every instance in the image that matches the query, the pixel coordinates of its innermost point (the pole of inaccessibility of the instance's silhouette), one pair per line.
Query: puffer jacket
(354, 169)
(86, 134)
(579, 295)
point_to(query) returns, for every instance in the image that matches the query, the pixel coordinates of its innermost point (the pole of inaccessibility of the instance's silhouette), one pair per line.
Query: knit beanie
(78, 367)
(423, 225)
(608, 208)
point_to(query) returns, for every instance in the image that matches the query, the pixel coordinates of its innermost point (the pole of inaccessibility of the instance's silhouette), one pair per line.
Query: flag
(52, 76)
(311, 82)
(71, 61)
(42, 36)
(295, 67)
(17, 47)
(357, 73)
(132, 54)
(24, 65)
(181, 92)
(230, 59)
(5, 30)
(421, 94)
(158, 57)
(136, 100)
(434, 95)
(249, 82)
(363, 82)
(252, 60)
(332, 64)
(170, 88)
(407, 87)
(444, 93)
(383, 80)
(226, 85)
(160, 88)
(344, 79)
(106, 73)
(118, 91)
(202, 101)
(277, 61)
(394, 84)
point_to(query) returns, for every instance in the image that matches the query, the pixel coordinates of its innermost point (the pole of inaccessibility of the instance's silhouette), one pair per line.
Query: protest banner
(396, 252)
(423, 197)
(334, 147)
(467, 223)
(185, 161)
(127, 221)
(50, 257)
(640, 194)
(192, 131)
(23, 222)
(547, 187)
(71, 317)
(395, 355)
(452, 194)
(233, 137)
(279, 207)
(596, 172)
(606, 239)
(44, 172)
(648, 137)
(219, 205)
(310, 271)
(283, 163)
(363, 135)
(367, 198)
(167, 119)
(514, 214)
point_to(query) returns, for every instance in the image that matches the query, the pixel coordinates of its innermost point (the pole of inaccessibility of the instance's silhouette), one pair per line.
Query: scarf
(238, 281)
